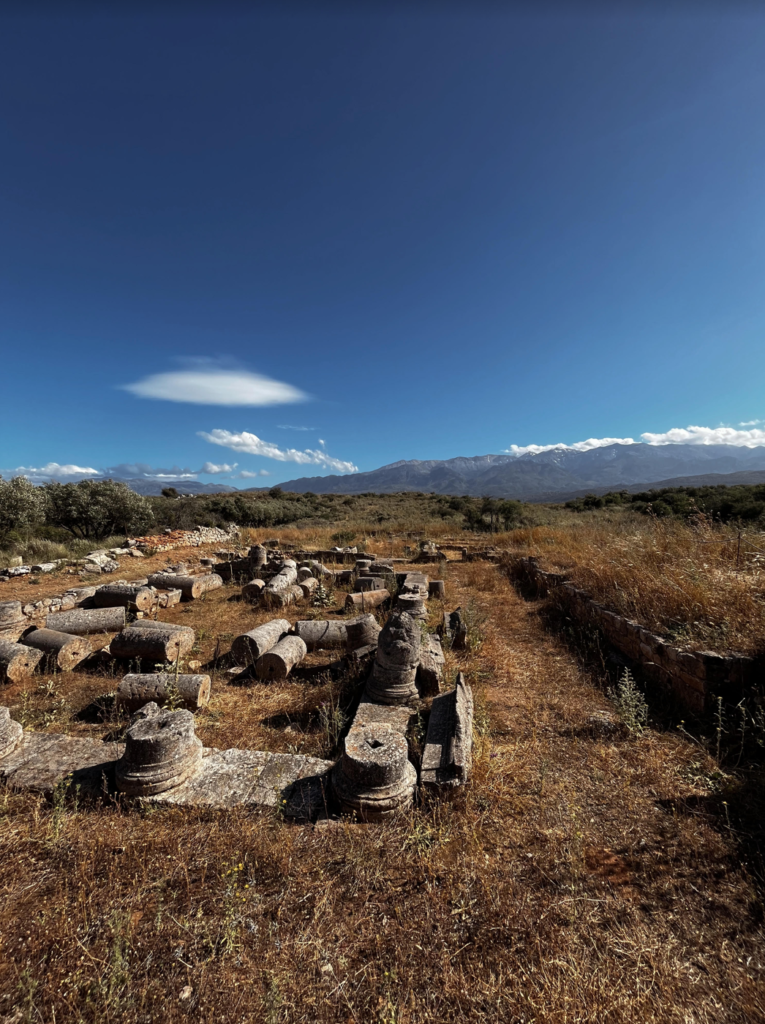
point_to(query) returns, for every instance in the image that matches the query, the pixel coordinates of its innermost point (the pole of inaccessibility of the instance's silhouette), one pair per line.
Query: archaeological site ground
(398, 760)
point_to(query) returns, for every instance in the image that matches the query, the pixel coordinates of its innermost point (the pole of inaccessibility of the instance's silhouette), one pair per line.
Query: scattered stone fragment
(430, 671)
(447, 758)
(363, 631)
(11, 733)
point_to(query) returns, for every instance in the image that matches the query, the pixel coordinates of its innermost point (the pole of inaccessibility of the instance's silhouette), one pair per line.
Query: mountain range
(553, 475)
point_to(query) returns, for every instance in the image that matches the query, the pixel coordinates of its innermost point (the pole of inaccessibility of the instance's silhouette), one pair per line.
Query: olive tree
(22, 505)
(93, 509)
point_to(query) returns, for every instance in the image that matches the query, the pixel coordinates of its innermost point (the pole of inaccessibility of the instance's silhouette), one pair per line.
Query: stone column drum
(398, 654)
(161, 752)
(374, 778)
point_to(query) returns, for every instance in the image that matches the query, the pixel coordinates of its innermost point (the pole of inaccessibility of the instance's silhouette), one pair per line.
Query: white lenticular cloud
(212, 469)
(56, 471)
(707, 435)
(250, 444)
(247, 474)
(211, 386)
(577, 446)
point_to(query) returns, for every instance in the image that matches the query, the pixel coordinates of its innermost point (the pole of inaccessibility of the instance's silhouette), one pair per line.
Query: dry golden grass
(691, 581)
(578, 878)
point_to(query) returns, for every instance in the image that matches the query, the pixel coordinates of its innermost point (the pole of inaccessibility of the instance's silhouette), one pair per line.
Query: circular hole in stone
(374, 744)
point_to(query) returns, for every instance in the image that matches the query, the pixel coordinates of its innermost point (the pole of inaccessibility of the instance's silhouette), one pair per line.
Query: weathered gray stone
(374, 778)
(81, 621)
(364, 583)
(247, 648)
(366, 600)
(321, 634)
(430, 671)
(60, 650)
(152, 645)
(397, 716)
(437, 590)
(17, 661)
(135, 690)
(363, 631)
(11, 733)
(251, 591)
(114, 595)
(412, 604)
(161, 751)
(448, 754)
(278, 662)
(43, 761)
(398, 653)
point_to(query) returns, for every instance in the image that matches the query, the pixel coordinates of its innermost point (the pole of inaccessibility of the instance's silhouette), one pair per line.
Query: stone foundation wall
(697, 678)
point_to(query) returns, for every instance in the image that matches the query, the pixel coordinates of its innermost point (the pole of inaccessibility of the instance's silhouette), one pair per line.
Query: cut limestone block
(448, 754)
(365, 601)
(318, 634)
(374, 778)
(161, 751)
(247, 648)
(152, 645)
(455, 629)
(413, 583)
(437, 590)
(60, 650)
(11, 733)
(430, 671)
(44, 762)
(398, 717)
(17, 661)
(258, 556)
(278, 662)
(81, 621)
(135, 690)
(398, 654)
(114, 595)
(157, 624)
(362, 632)
(251, 591)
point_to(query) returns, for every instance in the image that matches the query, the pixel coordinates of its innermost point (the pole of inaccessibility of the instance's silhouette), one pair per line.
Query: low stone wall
(697, 678)
(188, 538)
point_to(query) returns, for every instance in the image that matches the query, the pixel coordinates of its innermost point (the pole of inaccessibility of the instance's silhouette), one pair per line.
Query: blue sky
(361, 233)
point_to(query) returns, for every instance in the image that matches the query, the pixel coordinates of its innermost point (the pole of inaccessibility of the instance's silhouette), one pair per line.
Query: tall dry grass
(699, 583)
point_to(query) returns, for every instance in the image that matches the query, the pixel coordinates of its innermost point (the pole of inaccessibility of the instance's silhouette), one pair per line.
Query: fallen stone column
(278, 662)
(158, 624)
(258, 556)
(11, 733)
(430, 671)
(212, 581)
(362, 632)
(253, 590)
(366, 600)
(152, 645)
(281, 598)
(247, 648)
(319, 633)
(17, 661)
(115, 595)
(136, 689)
(395, 669)
(161, 752)
(374, 778)
(448, 755)
(60, 650)
(309, 588)
(191, 587)
(81, 621)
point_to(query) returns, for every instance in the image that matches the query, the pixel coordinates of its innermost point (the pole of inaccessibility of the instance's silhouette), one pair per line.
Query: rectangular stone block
(447, 758)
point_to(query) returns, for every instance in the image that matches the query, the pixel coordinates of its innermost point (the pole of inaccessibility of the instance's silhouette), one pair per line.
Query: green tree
(22, 505)
(93, 509)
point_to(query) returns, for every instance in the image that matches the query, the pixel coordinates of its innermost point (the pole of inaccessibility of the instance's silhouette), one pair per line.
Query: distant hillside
(548, 476)
(153, 488)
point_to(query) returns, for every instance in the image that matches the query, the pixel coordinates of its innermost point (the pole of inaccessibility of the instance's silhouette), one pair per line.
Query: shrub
(22, 505)
(93, 509)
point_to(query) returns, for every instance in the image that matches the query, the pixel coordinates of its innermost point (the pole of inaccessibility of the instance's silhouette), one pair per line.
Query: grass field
(581, 876)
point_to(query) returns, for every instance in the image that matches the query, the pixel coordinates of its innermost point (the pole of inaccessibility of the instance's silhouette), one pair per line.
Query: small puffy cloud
(322, 443)
(212, 469)
(578, 446)
(751, 423)
(55, 471)
(708, 435)
(215, 386)
(250, 444)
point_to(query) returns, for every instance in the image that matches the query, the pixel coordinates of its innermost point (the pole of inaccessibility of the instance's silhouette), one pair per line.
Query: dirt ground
(581, 876)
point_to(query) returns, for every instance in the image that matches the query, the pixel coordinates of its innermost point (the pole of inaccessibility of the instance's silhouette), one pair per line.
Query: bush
(22, 505)
(94, 509)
